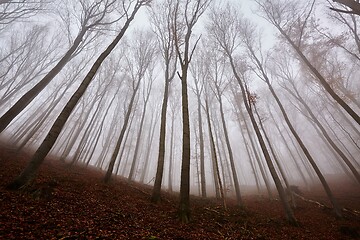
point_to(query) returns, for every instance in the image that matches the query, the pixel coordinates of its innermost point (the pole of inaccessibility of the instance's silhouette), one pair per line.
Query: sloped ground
(73, 203)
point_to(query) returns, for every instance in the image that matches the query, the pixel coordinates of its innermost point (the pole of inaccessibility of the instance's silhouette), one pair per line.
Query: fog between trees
(212, 98)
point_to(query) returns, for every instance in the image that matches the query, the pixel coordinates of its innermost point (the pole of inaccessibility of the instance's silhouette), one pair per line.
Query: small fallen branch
(311, 201)
(212, 210)
(354, 212)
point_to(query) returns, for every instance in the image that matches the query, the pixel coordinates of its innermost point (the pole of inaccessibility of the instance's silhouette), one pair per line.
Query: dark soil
(74, 203)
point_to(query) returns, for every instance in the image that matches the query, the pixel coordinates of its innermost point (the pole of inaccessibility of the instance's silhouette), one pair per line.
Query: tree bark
(155, 197)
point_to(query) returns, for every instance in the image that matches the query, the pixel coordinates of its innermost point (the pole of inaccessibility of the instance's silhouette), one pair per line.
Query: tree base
(155, 199)
(15, 185)
(184, 218)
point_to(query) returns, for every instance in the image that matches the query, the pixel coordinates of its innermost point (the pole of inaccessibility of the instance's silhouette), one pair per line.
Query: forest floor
(74, 203)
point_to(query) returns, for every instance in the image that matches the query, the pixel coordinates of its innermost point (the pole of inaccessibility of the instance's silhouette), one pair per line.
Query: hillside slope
(74, 203)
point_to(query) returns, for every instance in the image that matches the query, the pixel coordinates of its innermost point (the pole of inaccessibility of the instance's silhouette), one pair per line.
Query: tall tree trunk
(264, 76)
(201, 142)
(231, 157)
(213, 164)
(87, 131)
(257, 157)
(185, 164)
(275, 157)
(301, 155)
(103, 121)
(155, 197)
(213, 153)
(171, 154)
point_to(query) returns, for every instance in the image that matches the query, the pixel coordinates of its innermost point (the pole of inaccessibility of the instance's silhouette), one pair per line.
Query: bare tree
(214, 154)
(146, 95)
(282, 15)
(186, 15)
(198, 72)
(219, 83)
(272, 150)
(162, 21)
(28, 174)
(93, 16)
(243, 123)
(140, 58)
(255, 53)
(224, 29)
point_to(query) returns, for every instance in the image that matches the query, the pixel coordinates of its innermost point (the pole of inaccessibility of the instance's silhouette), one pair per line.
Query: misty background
(34, 37)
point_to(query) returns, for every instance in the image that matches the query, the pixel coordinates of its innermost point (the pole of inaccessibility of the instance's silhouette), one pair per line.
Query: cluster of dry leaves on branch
(74, 203)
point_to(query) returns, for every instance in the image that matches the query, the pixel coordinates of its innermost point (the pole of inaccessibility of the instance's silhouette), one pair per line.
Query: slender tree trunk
(87, 132)
(127, 153)
(231, 157)
(155, 197)
(40, 119)
(349, 135)
(102, 123)
(73, 138)
(216, 180)
(221, 148)
(213, 153)
(252, 164)
(262, 71)
(345, 117)
(311, 173)
(201, 142)
(257, 157)
(185, 165)
(122, 133)
(275, 157)
(171, 157)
